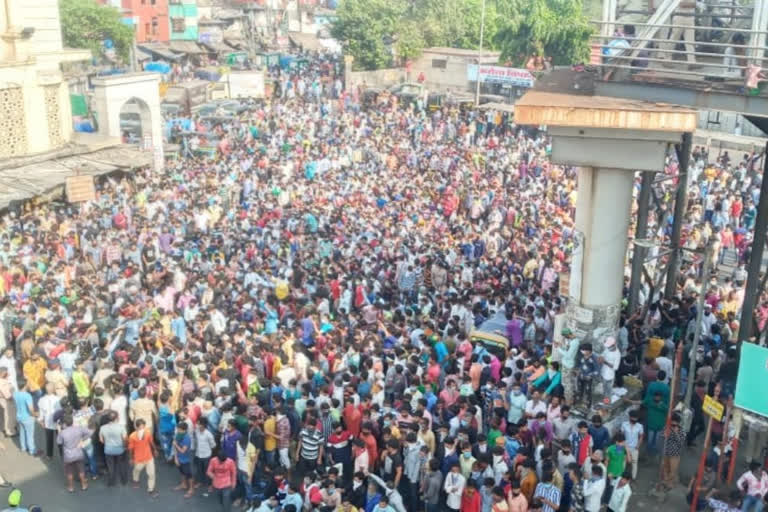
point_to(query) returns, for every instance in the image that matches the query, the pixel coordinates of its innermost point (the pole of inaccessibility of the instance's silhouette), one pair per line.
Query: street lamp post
(480, 56)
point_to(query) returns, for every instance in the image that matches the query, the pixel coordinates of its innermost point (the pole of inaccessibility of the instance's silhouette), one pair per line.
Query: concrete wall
(43, 15)
(36, 115)
(378, 78)
(446, 72)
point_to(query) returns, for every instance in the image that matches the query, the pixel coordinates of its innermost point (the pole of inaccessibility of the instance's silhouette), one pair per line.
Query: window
(146, 29)
(178, 24)
(154, 26)
(440, 63)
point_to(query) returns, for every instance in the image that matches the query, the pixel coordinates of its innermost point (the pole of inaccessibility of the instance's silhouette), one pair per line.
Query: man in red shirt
(352, 417)
(223, 475)
(370, 444)
(142, 449)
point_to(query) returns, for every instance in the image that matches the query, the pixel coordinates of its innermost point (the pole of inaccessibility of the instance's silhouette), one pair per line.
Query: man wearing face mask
(587, 369)
(515, 404)
(633, 434)
(610, 359)
(355, 493)
(223, 474)
(707, 321)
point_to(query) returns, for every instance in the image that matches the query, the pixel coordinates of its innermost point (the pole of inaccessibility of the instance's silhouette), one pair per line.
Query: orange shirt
(140, 448)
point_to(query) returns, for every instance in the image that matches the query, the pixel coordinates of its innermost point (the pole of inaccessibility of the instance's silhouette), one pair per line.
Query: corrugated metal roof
(181, 46)
(159, 49)
(28, 181)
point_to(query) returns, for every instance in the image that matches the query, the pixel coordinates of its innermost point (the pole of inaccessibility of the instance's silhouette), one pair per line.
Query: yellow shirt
(34, 372)
(270, 427)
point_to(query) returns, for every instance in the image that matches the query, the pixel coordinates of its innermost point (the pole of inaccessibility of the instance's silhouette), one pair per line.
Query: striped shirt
(549, 492)
(310, 443)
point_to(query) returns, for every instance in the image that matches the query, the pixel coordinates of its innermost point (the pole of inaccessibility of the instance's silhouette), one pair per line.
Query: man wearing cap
(610, 359)
(568, 350)
(14, 502)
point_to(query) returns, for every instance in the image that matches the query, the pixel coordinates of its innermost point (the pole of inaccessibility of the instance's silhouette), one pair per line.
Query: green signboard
(750, 383)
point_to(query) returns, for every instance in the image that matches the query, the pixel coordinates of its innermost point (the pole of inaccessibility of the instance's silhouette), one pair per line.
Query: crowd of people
(288, 323)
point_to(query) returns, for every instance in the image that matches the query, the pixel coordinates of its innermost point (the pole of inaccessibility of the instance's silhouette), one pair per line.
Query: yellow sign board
(712, 408)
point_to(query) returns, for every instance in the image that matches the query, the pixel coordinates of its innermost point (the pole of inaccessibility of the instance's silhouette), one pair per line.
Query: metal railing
(718, 40)
(699, 58)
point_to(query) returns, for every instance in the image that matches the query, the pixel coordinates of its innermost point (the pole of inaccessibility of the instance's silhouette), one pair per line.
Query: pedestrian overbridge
(709, 54)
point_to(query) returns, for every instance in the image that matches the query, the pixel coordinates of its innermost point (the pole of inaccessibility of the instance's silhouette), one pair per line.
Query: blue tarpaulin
(84, 127)
(158, 67)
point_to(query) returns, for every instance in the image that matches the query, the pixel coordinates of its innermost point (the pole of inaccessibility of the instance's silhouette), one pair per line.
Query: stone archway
(112, 93)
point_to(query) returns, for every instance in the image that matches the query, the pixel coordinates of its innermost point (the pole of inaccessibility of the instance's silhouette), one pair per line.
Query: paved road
(43, 483)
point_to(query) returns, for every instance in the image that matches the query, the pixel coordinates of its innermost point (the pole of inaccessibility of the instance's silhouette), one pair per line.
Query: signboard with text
(501, 74)
(712, 408)
(80, 188)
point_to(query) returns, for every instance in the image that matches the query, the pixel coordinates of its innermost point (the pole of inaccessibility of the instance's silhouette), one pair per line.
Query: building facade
(150, 19)
(182, 17)
(446, 68)
(35, 113)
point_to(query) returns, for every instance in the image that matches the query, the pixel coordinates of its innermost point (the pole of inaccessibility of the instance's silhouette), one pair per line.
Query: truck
(188, 96)
(245, 84)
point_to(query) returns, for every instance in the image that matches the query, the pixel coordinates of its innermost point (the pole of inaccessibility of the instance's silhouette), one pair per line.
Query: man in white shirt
(620, 495)
(454, 487)
(633, 434)
(665, 363)
(534, 406)
(48, 405)
(593, 489)
(611, 358)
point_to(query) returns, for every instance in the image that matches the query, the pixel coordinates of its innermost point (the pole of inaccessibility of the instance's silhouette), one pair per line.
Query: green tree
(550, 28)
(86, 24)
(366, 28)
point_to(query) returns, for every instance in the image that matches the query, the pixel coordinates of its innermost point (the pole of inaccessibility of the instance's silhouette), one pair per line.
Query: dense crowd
(289, 322)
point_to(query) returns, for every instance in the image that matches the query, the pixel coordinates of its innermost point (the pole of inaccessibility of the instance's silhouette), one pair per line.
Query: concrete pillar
(608, 139)
(597, 267)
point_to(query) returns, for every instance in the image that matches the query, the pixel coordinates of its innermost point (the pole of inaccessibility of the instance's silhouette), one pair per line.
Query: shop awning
(217, 47)
(33, 180)
(142, 55)
(238, 43)
(159, 50)
(188, 47)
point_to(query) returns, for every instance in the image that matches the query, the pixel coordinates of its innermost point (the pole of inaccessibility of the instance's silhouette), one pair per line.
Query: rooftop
(461, 52)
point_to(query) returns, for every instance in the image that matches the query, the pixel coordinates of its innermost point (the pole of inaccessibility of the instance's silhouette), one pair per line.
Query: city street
(42, 483)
